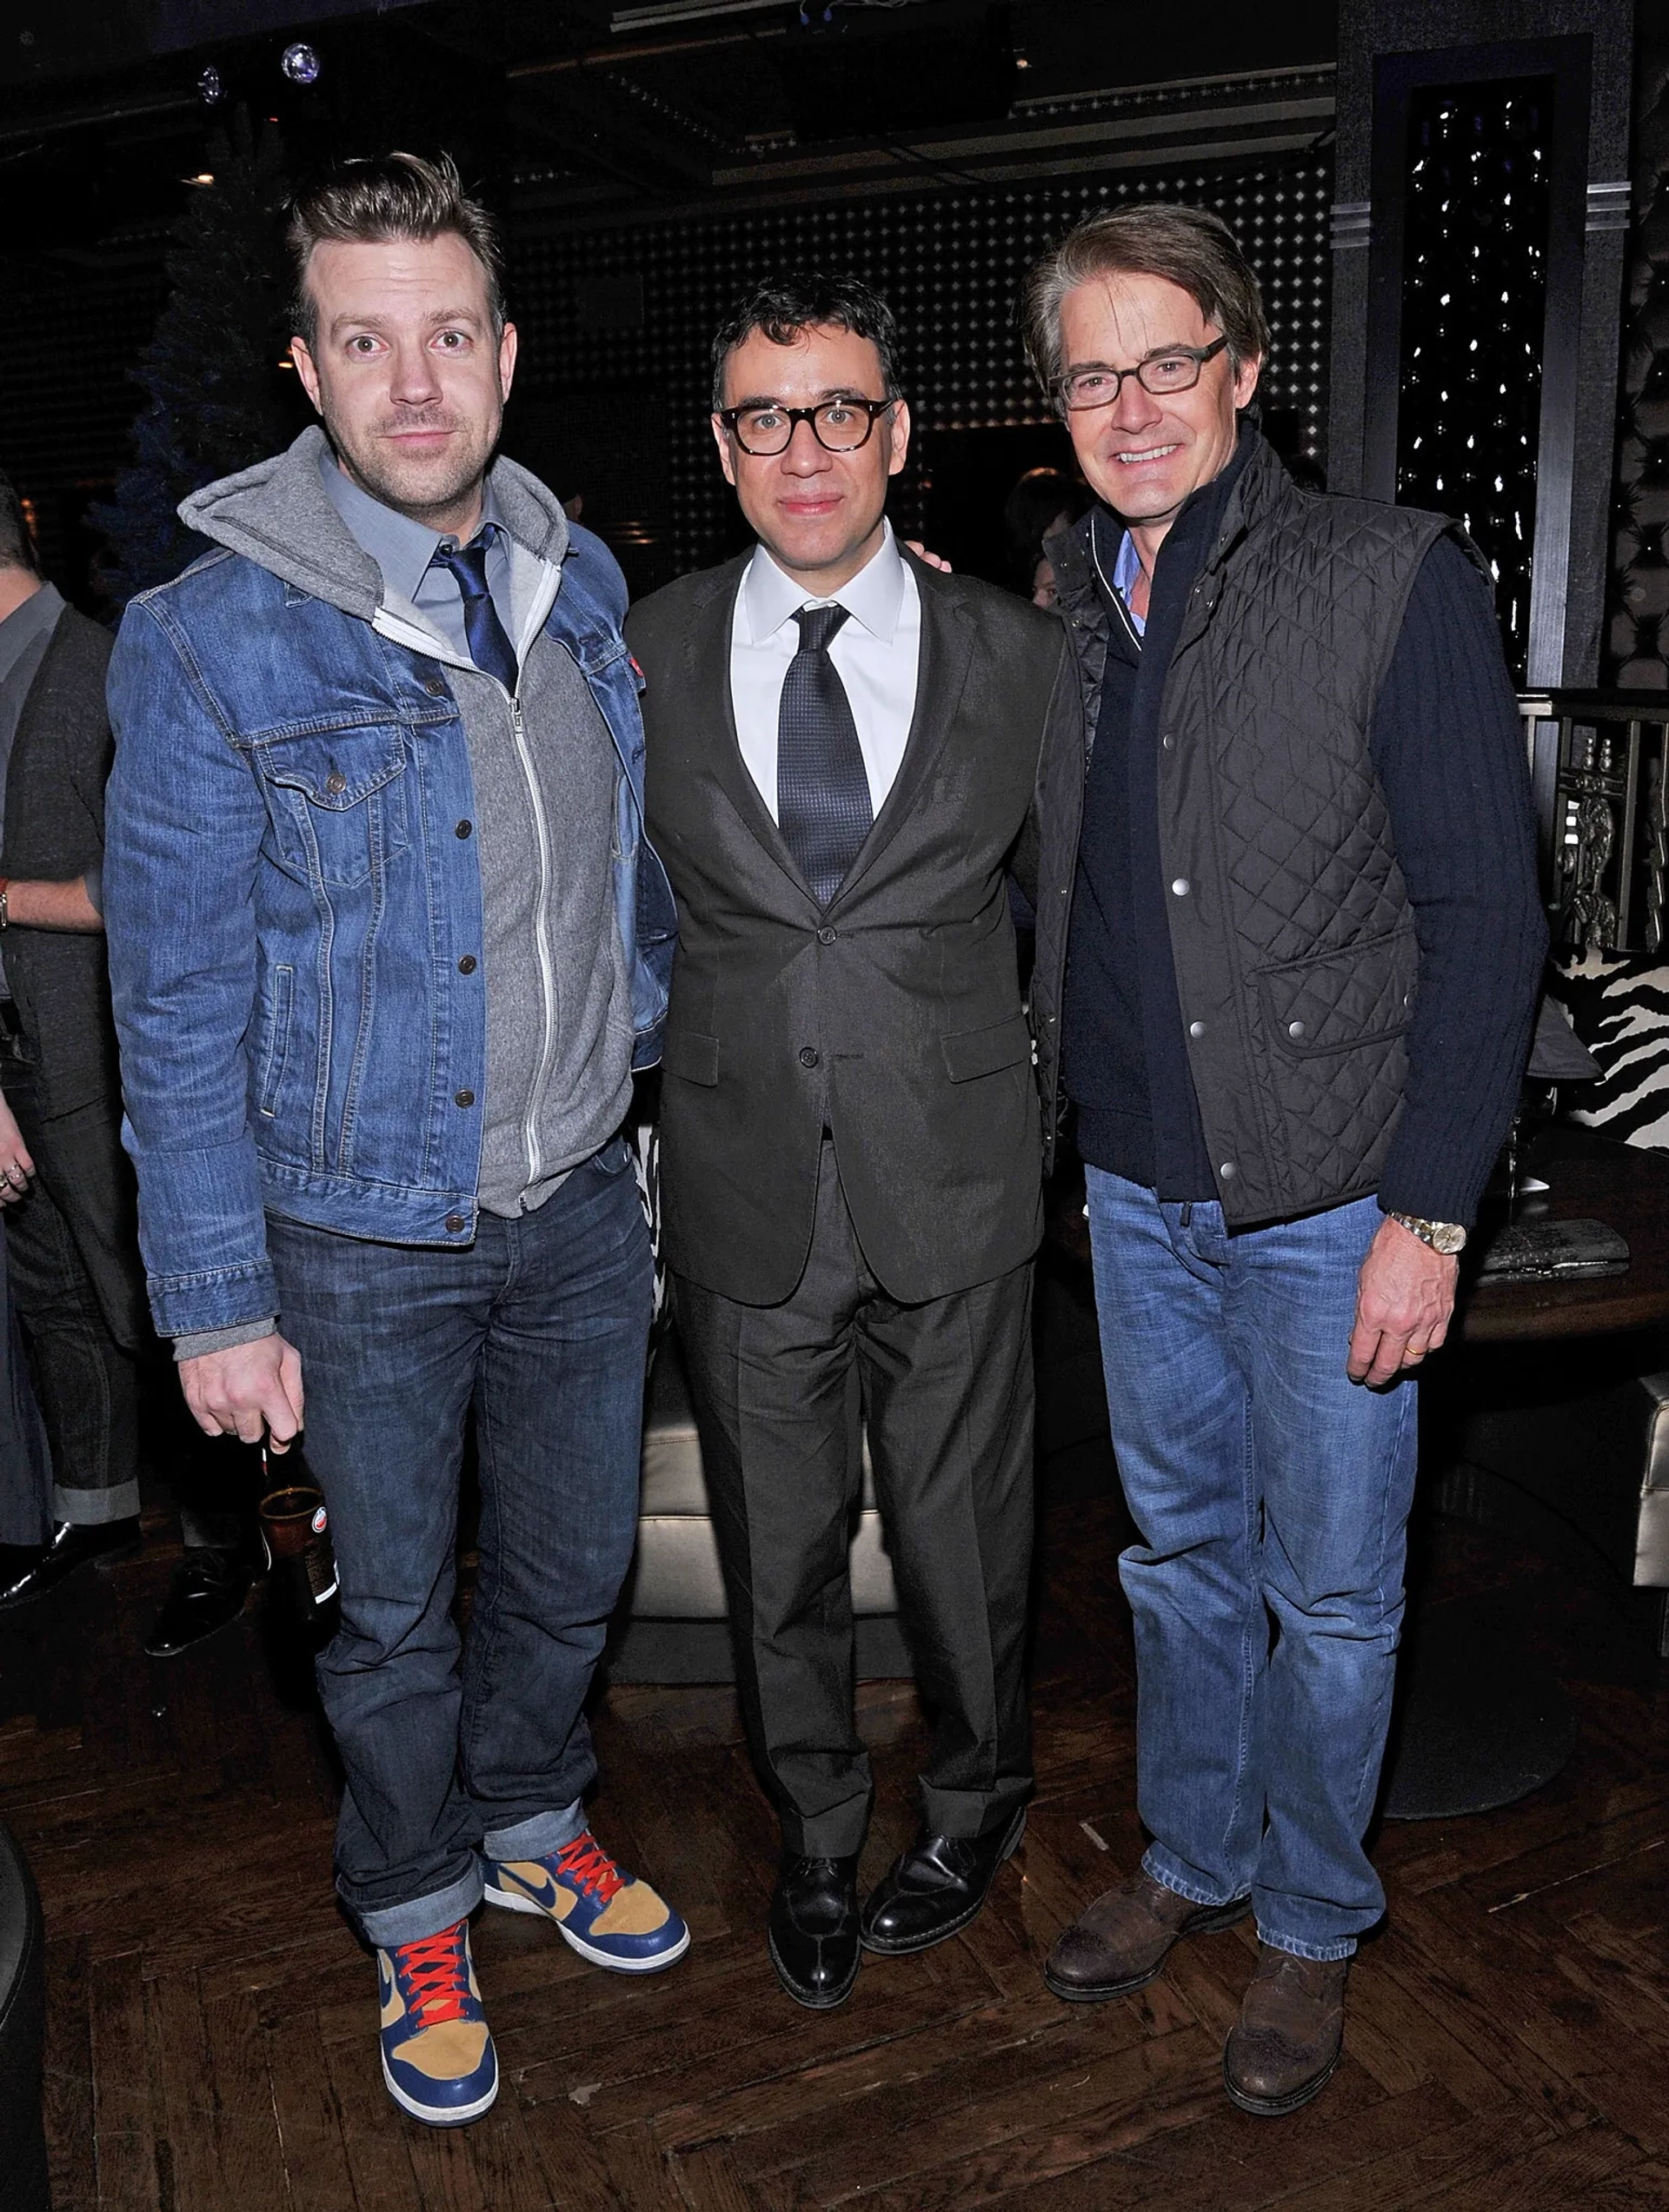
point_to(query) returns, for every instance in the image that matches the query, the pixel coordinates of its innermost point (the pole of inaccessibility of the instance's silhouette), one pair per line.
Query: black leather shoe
(207, 1593)
(32, 1570)
(813, 1932)
(936, 1887)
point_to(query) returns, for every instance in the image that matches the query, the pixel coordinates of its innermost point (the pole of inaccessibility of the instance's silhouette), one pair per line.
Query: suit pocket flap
(691, 1055)
(984, 1051)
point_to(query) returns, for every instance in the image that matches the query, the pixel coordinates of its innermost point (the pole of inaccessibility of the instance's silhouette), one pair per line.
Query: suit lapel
(941, 671)
(709, 682)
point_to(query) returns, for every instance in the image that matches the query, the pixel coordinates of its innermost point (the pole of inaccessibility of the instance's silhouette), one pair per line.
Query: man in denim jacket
(386, 943)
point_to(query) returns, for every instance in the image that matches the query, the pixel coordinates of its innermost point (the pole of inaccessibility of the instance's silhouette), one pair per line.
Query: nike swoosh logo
(545, 1895)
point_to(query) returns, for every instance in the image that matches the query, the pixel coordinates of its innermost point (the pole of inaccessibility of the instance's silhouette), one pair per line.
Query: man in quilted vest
(1288, 948)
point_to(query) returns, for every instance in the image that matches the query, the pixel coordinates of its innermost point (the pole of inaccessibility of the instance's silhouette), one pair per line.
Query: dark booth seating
(22, 2027)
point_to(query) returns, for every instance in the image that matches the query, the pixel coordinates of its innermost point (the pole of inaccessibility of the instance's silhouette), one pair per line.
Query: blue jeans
(1272, 1497)
(541, 1325)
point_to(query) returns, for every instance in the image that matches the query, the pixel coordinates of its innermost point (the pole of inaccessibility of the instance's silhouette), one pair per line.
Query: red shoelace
(434, 1976)
(585, 1861)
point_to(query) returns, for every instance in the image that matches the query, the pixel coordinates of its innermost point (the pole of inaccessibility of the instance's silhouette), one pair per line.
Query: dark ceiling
(572, 110)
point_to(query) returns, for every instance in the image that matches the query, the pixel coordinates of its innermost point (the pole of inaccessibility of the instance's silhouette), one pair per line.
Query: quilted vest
(1291, 929)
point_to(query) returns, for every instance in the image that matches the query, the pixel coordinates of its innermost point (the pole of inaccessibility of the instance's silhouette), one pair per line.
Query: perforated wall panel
(1637, 633)
(950, 262)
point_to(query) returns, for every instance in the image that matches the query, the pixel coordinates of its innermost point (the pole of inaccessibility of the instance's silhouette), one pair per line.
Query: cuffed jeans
(80, 1293)
(543, 1326)
(1271, 1495)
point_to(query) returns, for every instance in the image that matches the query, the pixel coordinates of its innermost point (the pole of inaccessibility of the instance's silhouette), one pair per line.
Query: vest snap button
(1181, 887)
(455, 1225)
(1196, 1029)
(1296, 1029)
(1227, 1171)
(463, 1098)
(435, 685)
(335, 782)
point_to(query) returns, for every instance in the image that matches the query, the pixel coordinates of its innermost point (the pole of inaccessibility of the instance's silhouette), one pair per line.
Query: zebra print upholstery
(1618, 1006)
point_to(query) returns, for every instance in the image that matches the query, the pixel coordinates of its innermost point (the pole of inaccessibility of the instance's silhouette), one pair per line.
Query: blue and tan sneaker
(438, 2058)
(609, 1917)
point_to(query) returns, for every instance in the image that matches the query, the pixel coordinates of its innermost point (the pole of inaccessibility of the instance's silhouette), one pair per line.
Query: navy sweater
(1446, 743)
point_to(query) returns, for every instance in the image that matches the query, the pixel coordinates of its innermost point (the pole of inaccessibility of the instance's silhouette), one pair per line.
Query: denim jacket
(289, 883)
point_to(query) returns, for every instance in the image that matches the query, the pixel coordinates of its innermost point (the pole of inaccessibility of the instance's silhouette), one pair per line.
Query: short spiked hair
(397, 195)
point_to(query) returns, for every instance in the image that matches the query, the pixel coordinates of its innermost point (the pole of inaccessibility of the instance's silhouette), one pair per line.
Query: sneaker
(438, 2058)
(607, 1917)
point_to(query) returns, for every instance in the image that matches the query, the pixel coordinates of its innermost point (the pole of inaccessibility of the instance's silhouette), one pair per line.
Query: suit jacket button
(807, 1056)
(827, 936)
(455, 1225)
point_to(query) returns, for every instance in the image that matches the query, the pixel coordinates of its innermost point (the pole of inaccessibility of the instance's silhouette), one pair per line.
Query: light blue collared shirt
(405, 551)
(1125, 569)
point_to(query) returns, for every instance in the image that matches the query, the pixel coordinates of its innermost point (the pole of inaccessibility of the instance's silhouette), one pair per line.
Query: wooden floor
(211, 2019)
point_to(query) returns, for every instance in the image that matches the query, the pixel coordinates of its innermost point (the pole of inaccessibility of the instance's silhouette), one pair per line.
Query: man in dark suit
(842, 749)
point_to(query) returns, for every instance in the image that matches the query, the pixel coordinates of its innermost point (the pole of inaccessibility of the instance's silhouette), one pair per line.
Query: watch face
(1447, 1236)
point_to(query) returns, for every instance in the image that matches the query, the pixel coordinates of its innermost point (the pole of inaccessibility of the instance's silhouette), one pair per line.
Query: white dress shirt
(877, 652)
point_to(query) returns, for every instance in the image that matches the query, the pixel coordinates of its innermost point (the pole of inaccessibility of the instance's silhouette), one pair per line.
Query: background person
(1043, 501)
(1291, 1006)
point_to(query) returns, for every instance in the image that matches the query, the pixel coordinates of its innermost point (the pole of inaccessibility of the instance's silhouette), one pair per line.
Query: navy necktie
(822, 791)
(489, 649)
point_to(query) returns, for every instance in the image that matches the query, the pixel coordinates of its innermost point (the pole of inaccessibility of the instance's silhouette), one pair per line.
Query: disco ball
(300, 64)
(209, 88)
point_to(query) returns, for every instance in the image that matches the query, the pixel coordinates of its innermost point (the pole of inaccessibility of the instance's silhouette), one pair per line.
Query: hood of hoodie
(280, 516)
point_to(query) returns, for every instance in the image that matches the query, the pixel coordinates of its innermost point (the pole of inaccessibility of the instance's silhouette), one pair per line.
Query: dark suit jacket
(894, 1018)
(61, 759)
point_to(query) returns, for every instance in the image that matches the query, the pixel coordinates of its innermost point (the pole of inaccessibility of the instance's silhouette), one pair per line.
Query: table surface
(1622, 1186)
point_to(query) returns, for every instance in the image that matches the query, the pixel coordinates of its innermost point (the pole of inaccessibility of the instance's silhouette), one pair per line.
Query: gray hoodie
(559, 1023)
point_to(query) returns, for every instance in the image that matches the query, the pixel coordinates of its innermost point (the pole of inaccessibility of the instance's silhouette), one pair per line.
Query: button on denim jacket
(289, 883)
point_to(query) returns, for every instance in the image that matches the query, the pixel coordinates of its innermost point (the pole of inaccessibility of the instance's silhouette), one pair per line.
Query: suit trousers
(946, 1389)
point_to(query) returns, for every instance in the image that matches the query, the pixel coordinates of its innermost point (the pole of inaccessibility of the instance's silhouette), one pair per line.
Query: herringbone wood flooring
(211, 2020)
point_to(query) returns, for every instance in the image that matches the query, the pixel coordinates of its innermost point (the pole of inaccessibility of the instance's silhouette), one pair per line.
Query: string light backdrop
(616, 325)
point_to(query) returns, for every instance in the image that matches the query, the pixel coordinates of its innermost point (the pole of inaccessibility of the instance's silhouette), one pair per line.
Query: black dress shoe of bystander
(813, 1932)
(206, 1594)
(30, 1571)
(936, 1887)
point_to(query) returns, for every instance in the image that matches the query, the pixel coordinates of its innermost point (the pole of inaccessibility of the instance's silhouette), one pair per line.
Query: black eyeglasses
(1176, 370)
(838, 425)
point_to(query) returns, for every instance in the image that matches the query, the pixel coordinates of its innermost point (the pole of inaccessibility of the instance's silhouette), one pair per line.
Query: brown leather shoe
(1120, 1942)
(1284, 2047)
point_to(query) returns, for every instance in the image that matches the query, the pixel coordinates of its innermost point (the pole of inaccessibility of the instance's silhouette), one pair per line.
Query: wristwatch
(1446, 1237)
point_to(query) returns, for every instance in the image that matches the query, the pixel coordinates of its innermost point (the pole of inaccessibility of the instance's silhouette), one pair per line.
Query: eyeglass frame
(874, 409)
(1198, 355)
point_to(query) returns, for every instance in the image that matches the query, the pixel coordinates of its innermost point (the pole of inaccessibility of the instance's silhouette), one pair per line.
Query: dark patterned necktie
(822, 791)
(488, 647)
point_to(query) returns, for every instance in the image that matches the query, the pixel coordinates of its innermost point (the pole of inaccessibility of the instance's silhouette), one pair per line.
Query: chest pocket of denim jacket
(336, 799)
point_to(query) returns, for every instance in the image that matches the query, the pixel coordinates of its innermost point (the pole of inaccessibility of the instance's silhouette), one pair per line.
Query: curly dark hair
(782, 306)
